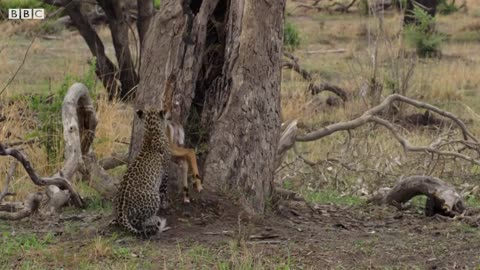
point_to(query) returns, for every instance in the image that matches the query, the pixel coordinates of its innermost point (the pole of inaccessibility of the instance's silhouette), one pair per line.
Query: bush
(446, 8)
(422, 34)
(291, 37)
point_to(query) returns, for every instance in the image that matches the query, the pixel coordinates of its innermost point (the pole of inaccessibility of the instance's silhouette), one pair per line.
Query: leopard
(143, 189)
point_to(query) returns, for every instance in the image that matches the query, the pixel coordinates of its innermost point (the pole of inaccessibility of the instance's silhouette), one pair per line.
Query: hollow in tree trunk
(226, 56)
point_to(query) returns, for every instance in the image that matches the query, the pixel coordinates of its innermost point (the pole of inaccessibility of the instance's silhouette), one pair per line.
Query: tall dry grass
(450, 82)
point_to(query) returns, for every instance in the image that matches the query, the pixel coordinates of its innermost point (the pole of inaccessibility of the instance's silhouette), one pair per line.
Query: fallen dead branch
(442, 199)
(56, 180)
(30, 205)
(370, 116)
(293, 64)
(79, 125)
(440, 147)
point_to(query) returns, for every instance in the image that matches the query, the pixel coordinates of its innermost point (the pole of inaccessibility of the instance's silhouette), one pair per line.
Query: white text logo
(26, 13)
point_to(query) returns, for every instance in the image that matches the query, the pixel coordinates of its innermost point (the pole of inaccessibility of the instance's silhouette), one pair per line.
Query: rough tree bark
(226, 56)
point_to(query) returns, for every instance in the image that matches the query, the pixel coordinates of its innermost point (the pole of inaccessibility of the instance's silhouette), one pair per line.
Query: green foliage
(446, 8)
(291, 37)
(49, 108)
(20, 243)
(422, 34)
(156, 4)
(6, 4)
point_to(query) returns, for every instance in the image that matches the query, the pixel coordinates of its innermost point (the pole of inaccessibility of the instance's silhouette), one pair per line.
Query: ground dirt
(205, 234)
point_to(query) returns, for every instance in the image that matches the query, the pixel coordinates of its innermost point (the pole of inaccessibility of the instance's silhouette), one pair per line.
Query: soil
(308, 236)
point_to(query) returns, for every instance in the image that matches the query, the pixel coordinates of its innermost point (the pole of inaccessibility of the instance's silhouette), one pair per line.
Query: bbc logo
(26, 13)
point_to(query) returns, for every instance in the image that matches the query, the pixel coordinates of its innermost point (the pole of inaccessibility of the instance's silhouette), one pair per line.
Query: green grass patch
(16, 244)
(472, 201)
(235, 256)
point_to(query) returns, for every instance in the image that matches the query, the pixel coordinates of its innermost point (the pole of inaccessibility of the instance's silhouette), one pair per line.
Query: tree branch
(30, 205)
(367, 117)
(58, 181)
(314, 89)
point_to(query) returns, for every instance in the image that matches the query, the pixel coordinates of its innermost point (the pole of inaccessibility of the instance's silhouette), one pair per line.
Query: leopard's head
(155, 124)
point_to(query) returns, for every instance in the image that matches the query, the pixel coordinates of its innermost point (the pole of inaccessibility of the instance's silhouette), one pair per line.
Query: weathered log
(56, 200)
(80, 122)
(79, 125)
(442, 199)
(56, 180)
(30, 205)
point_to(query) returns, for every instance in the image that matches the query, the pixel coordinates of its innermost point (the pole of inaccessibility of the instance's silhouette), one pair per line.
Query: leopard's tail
(125, 223)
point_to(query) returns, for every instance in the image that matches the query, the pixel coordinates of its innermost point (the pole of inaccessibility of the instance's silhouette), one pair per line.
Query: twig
(410, 148)
(315, 89)
(8, 179)
(16, 143)
(19, 67)
(327, 51)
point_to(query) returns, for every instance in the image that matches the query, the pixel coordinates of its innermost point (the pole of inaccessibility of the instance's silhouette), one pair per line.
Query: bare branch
(17, 143)
(366, 117)
(30, 205)
(315, 89)
(113, 161)
(58, 181)
(410, 148)
(19, 67)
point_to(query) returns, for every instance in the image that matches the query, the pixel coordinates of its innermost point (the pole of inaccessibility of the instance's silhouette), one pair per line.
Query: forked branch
(58, 181)
(371, 116)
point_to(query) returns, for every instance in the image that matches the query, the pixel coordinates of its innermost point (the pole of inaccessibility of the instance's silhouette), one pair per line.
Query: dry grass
(450, 82)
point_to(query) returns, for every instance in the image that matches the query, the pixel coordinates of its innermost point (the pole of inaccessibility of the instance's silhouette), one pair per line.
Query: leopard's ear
(140, 114)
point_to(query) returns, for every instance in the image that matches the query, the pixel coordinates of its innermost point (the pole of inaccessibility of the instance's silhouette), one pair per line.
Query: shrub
(446, 8)
(291, 37)
(422, 34)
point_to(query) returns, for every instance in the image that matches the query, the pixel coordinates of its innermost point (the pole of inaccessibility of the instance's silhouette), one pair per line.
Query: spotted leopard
(143, 188)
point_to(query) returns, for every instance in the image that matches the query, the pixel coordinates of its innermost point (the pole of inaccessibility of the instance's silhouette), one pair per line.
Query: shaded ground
(213, 234)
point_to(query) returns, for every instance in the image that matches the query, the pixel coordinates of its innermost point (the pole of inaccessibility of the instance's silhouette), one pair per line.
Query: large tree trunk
(226, 56)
